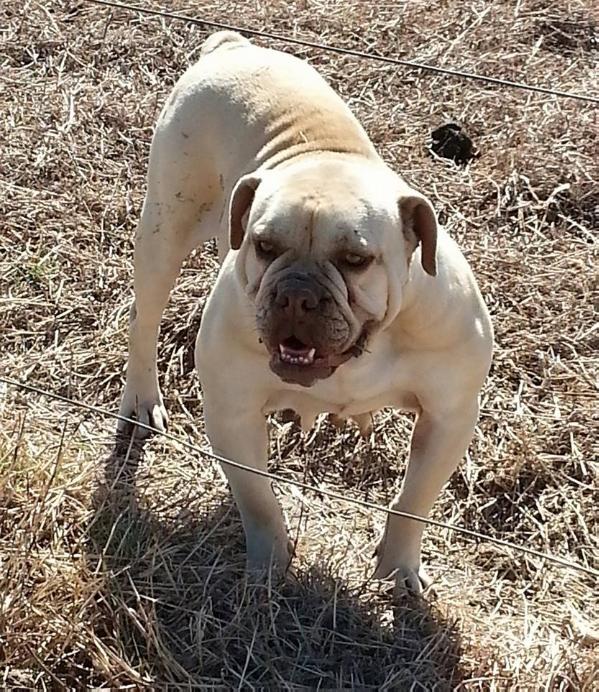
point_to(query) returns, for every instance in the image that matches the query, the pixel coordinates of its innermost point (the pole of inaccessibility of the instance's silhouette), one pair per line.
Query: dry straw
(435, 69)
(476, 535)
(125, 568)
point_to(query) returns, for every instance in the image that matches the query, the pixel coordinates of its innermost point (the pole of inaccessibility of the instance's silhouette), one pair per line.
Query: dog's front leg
(165, 237)
(237, 431)
(157, 263)
(439, 441)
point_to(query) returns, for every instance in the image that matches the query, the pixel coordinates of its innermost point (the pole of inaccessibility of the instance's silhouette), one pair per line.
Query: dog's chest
(369, 383)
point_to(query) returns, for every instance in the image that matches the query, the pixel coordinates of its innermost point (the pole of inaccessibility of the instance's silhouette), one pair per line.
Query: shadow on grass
(181, 611)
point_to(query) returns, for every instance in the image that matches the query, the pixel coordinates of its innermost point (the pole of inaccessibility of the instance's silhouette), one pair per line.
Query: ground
(127, 568)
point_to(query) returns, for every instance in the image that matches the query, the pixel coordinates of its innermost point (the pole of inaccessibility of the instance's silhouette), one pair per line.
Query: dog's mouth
(293, 351)
(296, 361)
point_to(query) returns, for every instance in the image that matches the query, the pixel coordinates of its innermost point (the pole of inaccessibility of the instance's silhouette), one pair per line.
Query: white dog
(337, 292)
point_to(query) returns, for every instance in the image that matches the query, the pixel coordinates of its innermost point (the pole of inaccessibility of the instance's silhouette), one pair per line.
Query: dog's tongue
(297, 353)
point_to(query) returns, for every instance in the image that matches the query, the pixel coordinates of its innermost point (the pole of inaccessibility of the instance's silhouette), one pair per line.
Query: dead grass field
(127, 569)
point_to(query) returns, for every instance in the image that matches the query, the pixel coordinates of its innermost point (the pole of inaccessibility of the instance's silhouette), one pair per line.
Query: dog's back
(283, 106)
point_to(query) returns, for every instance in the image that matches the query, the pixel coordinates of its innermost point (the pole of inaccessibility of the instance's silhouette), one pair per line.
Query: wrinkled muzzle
(307, 331)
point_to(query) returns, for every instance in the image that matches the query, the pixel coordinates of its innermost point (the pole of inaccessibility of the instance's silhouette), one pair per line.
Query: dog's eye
(265, 249)
(356, 261)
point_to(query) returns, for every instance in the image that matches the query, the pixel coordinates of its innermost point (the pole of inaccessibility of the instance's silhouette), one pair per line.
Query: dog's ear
(241, 201)
(419, 225)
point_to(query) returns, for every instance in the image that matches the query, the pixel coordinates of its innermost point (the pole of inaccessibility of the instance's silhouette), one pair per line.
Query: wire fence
(412, 64)
(455, 73)
(474, 535)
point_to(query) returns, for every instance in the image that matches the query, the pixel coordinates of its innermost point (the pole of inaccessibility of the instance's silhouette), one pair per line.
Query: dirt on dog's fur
(124, 566)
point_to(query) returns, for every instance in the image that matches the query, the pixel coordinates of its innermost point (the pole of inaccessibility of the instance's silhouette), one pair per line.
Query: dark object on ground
(450, 142)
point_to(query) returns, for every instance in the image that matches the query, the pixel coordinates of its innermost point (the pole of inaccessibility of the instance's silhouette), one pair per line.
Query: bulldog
(338, 292)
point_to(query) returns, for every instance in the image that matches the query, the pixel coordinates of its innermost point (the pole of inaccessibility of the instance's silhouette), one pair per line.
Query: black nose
(297, 296)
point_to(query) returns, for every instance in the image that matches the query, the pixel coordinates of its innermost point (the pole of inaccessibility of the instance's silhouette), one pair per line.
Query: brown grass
(127, 569)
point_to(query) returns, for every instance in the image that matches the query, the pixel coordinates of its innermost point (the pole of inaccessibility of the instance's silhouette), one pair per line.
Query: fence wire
(412, 64)
(475, 535)
(422, 67)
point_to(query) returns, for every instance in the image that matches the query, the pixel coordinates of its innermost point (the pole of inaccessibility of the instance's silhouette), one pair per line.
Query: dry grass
(125, 568)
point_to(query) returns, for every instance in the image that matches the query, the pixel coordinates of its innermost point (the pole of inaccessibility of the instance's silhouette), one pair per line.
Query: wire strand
(562, 562)
(423, 67)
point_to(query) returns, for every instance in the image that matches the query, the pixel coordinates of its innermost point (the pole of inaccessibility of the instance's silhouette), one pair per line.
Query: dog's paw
(408, 578)
(266, 553)
(413, 580)
(147, 408)
(405, 569)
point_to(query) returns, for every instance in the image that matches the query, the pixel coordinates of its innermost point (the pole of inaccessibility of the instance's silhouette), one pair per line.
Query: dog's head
(325, 250)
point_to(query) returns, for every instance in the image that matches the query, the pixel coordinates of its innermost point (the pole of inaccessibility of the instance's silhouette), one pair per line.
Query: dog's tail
(227, 39)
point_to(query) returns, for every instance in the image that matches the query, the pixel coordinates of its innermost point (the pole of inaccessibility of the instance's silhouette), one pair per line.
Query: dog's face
(324, 254)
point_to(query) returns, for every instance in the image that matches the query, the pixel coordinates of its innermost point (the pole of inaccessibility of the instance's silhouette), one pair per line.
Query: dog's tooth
(287, 356)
